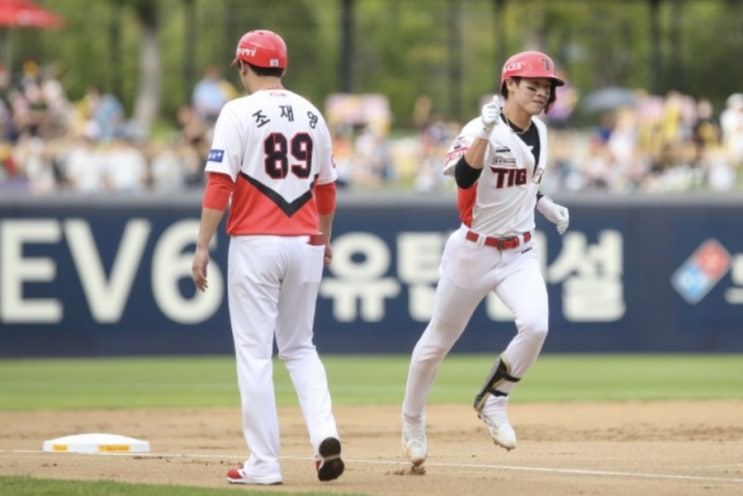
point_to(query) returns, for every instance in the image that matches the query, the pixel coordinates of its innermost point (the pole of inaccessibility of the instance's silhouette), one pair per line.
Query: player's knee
(435, 343)
(430, 354)
(535, 330)
(430, 350)
(540, 334)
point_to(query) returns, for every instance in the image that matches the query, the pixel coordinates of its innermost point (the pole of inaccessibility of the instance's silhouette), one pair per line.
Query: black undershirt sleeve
(465, 174)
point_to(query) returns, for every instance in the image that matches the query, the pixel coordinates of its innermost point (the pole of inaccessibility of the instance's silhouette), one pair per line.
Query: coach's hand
(198, 268)
(328, 254)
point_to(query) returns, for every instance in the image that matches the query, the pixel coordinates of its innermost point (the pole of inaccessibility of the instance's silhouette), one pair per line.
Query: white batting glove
(557, 214)
(489, 115)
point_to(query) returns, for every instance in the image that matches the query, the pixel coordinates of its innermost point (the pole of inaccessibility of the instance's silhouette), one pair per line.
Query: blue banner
(98, 278)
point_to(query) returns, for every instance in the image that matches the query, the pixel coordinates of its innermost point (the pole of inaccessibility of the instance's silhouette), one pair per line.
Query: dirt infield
(647, 448)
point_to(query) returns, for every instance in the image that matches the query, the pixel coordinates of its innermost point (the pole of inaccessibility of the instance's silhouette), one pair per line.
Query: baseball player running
(272, 157)
(497, 161)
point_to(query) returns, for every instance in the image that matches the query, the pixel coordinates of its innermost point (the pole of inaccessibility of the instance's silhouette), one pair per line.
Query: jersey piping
(289, 208)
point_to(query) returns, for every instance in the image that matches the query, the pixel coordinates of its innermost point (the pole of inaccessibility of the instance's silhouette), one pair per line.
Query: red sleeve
(325, 198)
(219, 187)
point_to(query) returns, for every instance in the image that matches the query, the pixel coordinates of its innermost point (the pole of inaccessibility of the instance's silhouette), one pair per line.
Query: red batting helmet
(531, 65)
(262, 48)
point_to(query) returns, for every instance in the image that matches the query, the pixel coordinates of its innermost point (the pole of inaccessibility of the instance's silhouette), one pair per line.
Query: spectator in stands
(622, 147)
(105, 111)
(9, 171)
(20, 115)
(719, 173)
(371, 162)
(210, 94)
(4, 78)
(670, 126)
(706, 132)
(731, 123)
(168, 171)
(598, 168)
(56, 101)
(433, 142)
(35, 164)
(125, 167)
(37, 110)
(6, 121)
(561, 113)
(82, 164)
(193, 131)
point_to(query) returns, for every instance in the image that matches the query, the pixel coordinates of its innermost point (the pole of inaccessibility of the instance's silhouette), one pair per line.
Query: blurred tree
(456, 110)
(116, 75)
(190, 33)
(402, 49)
(147, 104)
(499, 41)
(655, 59)
(347, 45)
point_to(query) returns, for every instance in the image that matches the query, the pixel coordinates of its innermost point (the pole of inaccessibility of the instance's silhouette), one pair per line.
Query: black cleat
(330, 466)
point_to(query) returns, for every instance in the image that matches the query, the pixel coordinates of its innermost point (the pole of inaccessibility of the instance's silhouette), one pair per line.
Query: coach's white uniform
(499, 205)
(275, 145)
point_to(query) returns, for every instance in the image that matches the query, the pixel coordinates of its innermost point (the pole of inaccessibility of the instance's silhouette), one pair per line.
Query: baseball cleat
(414, 443)
(329, 464)
(500, 430)
(239, 476)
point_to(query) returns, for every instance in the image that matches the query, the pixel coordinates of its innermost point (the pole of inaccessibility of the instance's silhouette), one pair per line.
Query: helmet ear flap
(553, 97)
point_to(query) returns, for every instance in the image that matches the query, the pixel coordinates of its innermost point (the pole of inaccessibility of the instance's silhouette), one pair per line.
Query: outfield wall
(112, 277)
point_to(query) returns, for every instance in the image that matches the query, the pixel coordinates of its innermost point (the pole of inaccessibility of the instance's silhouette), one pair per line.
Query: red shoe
(239, 476)
(329, 465)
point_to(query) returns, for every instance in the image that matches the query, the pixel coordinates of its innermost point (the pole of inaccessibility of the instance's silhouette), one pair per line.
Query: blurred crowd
(640, 143)
(653, 144)
(50, 144)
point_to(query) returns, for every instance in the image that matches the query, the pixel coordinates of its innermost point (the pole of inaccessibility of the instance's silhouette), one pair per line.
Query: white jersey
(501, 203)
(276, 146)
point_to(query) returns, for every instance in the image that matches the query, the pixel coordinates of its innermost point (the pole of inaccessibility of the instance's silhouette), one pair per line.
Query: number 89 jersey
(275, 145)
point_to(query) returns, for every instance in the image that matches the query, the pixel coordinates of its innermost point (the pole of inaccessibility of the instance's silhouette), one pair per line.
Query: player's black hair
(517, 79)
(504, 88)
(265, 71)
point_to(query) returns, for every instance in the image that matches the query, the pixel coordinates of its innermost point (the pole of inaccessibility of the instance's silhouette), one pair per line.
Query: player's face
(532, 94)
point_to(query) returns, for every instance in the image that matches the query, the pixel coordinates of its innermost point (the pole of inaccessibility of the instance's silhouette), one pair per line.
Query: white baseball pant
(469, 271)
(273, 282)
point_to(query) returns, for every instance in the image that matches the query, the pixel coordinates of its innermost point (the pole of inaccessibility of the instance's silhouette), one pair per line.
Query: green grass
(164, 382)
(634, 377)
(27, 486)
(156, 382)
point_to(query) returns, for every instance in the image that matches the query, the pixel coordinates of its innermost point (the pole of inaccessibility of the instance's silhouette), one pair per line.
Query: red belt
(318, 239)
(500, 243)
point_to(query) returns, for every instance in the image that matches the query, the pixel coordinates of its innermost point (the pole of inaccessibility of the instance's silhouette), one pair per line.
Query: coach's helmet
(262, 48)
(531, 65)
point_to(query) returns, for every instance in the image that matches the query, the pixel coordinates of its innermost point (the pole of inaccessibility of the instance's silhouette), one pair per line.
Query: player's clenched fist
(557, 214)
(489, 117)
